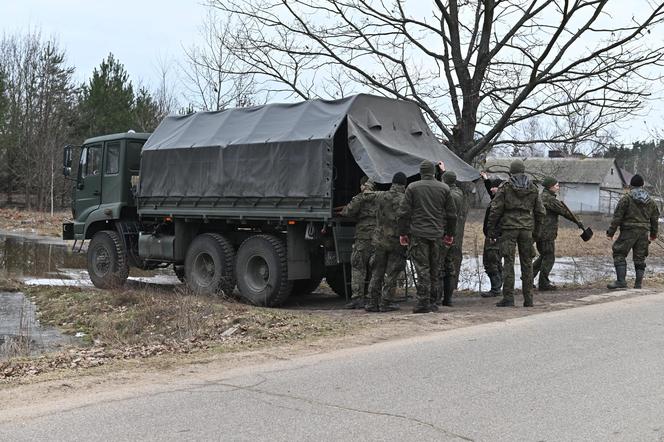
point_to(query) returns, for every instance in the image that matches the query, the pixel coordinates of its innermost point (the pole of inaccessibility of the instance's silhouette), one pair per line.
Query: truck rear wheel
(209, 265)
(107, 263)
(262, 270)
(338, 278)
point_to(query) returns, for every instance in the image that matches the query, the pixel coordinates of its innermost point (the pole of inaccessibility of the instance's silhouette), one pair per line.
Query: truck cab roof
(119, 136)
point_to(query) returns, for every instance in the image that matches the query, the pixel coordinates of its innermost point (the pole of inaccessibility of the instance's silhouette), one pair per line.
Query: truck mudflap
(67, 231)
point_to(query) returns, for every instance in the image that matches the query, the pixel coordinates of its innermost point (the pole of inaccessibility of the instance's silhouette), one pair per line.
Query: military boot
(390, 307)
(423, 307)
(448, 290)
(505, 303)
(619, 283)
(639, 278)
(355, 303)
(496, 285)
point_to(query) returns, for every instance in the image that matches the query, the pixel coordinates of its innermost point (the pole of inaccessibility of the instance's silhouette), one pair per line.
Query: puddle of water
(567, 270)
(20, 330)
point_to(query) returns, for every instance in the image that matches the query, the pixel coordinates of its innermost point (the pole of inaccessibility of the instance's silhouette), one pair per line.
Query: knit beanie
(400, 178)
(549, 181)
(449, 177)
(426, 168)
(636, 181)
(517, 166)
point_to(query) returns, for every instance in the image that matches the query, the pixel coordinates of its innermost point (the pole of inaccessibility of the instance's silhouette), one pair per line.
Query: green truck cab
(244, 198)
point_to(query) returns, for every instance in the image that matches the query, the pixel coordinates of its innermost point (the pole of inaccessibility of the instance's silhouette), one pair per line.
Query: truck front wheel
(262, 270)
(209, 265)
(107, 263)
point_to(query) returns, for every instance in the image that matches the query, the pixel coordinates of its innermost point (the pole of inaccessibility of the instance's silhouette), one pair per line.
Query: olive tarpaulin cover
(285, 150)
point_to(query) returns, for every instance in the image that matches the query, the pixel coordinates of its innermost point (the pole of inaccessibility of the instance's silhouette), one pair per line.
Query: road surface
(590, 373)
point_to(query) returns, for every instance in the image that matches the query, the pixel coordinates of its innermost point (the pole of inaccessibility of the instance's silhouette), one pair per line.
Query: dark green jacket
(554, 208)
(363, 208)
(427, 211)
(388, 205)
(517, 205)
(635, 210)
(461, 211)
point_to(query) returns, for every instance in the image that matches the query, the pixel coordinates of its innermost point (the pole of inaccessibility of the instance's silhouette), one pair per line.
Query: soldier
(388, 253)
(454, 256)
(546, 243)
(427, 221)
(518, 208)
(491, 259)
(636, 214)
(362, 207)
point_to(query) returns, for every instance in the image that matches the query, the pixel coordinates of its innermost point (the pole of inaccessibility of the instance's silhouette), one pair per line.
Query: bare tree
(41, 99)
(477, 68)
(210, 73)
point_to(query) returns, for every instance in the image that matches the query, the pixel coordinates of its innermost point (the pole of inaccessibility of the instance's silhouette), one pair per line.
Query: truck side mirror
(66, 159)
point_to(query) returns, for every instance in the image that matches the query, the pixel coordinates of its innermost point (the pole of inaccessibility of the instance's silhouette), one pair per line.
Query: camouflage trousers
(390, 260)
(427, 256)
(491, 258)
(452, 265)
(635, 240)
(360, 260)
(545, 261)
(509, 241)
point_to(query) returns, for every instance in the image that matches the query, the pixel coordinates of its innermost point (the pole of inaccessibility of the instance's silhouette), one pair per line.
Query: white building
(586, 184)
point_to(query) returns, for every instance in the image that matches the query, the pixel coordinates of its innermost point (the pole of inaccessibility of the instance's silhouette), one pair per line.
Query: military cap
(549, 181)
(449, 177)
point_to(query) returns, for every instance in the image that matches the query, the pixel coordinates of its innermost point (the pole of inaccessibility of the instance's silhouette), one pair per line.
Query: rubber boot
(619, 283)
(496, 285)
(448, 290)
(639, 278)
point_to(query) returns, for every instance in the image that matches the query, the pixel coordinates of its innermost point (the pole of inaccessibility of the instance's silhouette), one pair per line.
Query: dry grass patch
(41, 223)
(133, 324)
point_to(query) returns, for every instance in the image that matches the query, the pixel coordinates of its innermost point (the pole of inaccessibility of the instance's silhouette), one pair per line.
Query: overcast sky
(143, 34)
(140, 33)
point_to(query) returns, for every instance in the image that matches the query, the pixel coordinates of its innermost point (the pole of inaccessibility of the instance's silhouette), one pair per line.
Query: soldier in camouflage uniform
(363, 208)
(427, 222)
(546, 243)
(388, 253)
(493, 263)
(454, 256)
(636, 214)
(518, 208)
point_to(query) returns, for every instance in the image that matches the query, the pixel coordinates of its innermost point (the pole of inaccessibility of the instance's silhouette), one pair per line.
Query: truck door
(88, 187)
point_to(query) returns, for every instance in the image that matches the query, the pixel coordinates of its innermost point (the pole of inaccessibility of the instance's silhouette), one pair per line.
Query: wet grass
(132, 324)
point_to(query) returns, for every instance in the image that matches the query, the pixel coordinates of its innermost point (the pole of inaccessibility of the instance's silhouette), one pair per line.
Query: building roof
(565, 170)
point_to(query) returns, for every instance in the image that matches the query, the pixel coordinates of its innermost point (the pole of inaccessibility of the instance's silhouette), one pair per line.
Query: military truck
(243, 197)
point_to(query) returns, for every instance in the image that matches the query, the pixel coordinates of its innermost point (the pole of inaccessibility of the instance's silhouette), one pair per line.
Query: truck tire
(262, 270)
(209, 265)
(334, 276)
(107, 262)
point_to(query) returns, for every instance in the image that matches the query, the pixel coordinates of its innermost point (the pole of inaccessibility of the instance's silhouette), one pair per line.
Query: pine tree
(107, 101)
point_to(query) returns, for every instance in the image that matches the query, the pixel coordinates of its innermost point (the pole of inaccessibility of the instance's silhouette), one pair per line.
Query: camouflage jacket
(461, 210)
(427, 211)
(388, 205)
(363, 209)
(554, 208)
(635, 210)
(517, 205)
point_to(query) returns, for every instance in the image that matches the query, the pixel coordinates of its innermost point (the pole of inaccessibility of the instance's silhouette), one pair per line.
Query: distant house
(586, 184)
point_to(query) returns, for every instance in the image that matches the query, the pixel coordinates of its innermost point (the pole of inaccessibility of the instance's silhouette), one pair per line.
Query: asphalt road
(591, 373)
